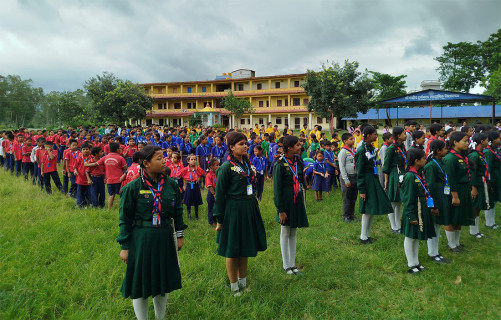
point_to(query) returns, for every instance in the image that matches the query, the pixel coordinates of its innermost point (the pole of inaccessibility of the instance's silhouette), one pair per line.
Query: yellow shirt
(256, 130)
(305, 132)
(358, 139)
(268, 130)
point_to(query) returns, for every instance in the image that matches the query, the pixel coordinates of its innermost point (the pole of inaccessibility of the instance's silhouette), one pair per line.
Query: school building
(278, 99)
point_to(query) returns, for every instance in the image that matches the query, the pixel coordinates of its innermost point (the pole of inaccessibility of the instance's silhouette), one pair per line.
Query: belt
(97, 176)
(148, 224)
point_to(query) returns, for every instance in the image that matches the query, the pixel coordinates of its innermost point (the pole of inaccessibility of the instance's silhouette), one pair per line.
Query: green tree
(387, 86)
(236, 105)
(338, 91)
(116, 100)
(494, 84)
(18, 100)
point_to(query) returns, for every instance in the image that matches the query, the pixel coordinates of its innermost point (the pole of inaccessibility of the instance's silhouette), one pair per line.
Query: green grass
(60, 262)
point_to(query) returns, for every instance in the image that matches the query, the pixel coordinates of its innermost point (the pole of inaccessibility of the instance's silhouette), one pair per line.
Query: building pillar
(269, 119)
(250, 120)
(310, 127)
(232, 121)
(289, 119)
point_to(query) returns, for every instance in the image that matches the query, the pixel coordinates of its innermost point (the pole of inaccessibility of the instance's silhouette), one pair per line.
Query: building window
(159, 106)
(279, 103)
(194, 105)
(296, 102)
(319, 120)
(204, 89)
(259, 86)
(286, 120)
(278, 120)
(286, 102)
(267, 103)
(159, 90)
(296, 83)
(188, 105)
(277, 85)
(305, 102)
(177, 105)
(261, 104)
(189, 90)
(261, 121)
(174, 90)
(248, 121)
(240, 87)
(242, 121)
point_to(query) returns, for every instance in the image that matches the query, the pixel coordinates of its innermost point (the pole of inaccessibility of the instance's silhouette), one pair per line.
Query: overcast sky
(62, 43)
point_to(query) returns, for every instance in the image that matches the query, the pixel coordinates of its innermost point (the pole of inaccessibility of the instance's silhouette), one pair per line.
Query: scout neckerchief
(295, 177)
(494, 153)
(250, 179)
(487, 174)
(157, 201)
(402, 153)
(465, 159)
(429, 199)
(352, 154)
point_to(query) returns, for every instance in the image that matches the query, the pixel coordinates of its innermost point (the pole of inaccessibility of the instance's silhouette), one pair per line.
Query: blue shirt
(273, 149)
(202, 151)
(218, 152)
(185, 148)
(251, 152)
(319, 166)
(259, 163)
(309, 168)
(329, 155)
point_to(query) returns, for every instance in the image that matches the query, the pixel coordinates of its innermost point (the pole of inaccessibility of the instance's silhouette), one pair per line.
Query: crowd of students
(422, 179)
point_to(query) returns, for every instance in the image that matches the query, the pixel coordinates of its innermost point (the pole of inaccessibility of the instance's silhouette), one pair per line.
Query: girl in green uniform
(480, 179)
(240, 227)
(147, 206)
(438, 184)
(460, 212)
(417, 223)
(288, 191)
(395, 161)
(494, 163)
(373, 199)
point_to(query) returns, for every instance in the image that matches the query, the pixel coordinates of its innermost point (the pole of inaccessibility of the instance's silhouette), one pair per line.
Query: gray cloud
(60, 44)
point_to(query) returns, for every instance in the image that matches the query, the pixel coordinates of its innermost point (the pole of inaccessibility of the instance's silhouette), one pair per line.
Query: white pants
(395, 215)
(411, 248)
(366, 226)
(288, 246)
(141, 307)
(490, 217)
(433, 242)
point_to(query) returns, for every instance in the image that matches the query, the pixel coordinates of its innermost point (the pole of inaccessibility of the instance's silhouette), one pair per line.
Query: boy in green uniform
(373, 199)
(417, 223)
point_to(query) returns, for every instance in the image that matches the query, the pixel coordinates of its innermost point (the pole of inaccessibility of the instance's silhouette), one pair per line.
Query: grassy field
(60, 262)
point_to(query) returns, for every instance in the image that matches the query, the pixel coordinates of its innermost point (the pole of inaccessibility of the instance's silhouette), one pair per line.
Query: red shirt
(16, 149)
(106, 148)
(427, 151)
(95, 171)
(114, 165)
(27, 153)
(132, 174)
(191, 175)
(39, 154)
(62, 140)
(72, 157)
(210, 179)
(49, 165)
(55, 139)
(7, 146)
(97, 144)
(47, 138)
(26, 135)
(175, 170)
(79, 165)
(128, 151)
(168, 162)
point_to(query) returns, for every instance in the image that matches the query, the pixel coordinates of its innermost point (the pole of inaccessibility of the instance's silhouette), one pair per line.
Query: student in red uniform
(38, 156)
(114, 166)
(96, 175)
(175, 166)
(133, 171)
(82, 180)
(26, 158)
(129, 151)
(210, 183)
(63, 137)
(192, 174)
(49, 167)
(69, 158)
(18, 154)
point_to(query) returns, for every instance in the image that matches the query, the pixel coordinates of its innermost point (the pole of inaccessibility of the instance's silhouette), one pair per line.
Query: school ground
(60, 262)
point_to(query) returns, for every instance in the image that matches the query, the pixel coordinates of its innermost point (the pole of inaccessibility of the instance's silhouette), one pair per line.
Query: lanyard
(219, 151)
(247, 175)
(487, 173)
(48, 160)
(494, 153)
(373, 155)
(295, 178)
(74, 154)
(445, 174)
(320, 164)
(175, 171)
(401, 153)
(190, 174)
(422, 181)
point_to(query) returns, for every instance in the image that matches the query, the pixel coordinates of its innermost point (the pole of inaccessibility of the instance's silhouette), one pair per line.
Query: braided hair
(435, 145)
(232, 139)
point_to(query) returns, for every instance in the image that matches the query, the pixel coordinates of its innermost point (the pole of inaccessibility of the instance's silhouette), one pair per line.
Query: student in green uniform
(288, 191)
(373, 199)
(494, 163)
(417, 223)
(240, 227)
(147, 206)
(395, 161)
(438, 184)
(480, 180)
(460, 212)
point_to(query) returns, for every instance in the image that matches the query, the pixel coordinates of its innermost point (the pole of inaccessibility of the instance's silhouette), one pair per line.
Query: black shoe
(443, 259)
(366, 241)
(436, 259)
(395, 231)
(348, 220)
(296, 271)
(494, 226)
(414, 270)
(478, 235)
(455, 250)
(372, 240)
(420, 267)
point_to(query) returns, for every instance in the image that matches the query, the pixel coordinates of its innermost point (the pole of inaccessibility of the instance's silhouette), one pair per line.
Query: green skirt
(376, 203)
(461, 215)
(414, 231)
(496, 185)
(152, 267)
(393, 191)
(242, 234)
(442, 203)
(296, 212)
(480, 202)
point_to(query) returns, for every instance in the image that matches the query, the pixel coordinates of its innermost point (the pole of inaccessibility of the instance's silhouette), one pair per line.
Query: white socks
(242, 282)
(395, 215)
(458, 235)
(288, 246)
(490, 217)
(141, 307)
(451, 238)
(234, 286)
(474, 228)
(433, 242)
(411, 248)
(366, 226)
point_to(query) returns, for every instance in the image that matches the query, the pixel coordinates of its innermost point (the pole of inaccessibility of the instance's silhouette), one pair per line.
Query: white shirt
(1, 148)
(33, 156)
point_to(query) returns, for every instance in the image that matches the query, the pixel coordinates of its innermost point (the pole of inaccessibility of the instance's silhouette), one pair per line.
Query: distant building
(278, 99)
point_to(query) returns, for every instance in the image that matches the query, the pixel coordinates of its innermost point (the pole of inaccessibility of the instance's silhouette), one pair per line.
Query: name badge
(447, 190)
(156, 220)
(249, 189)
(191, 185)
(429, 202)
(376, 171)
